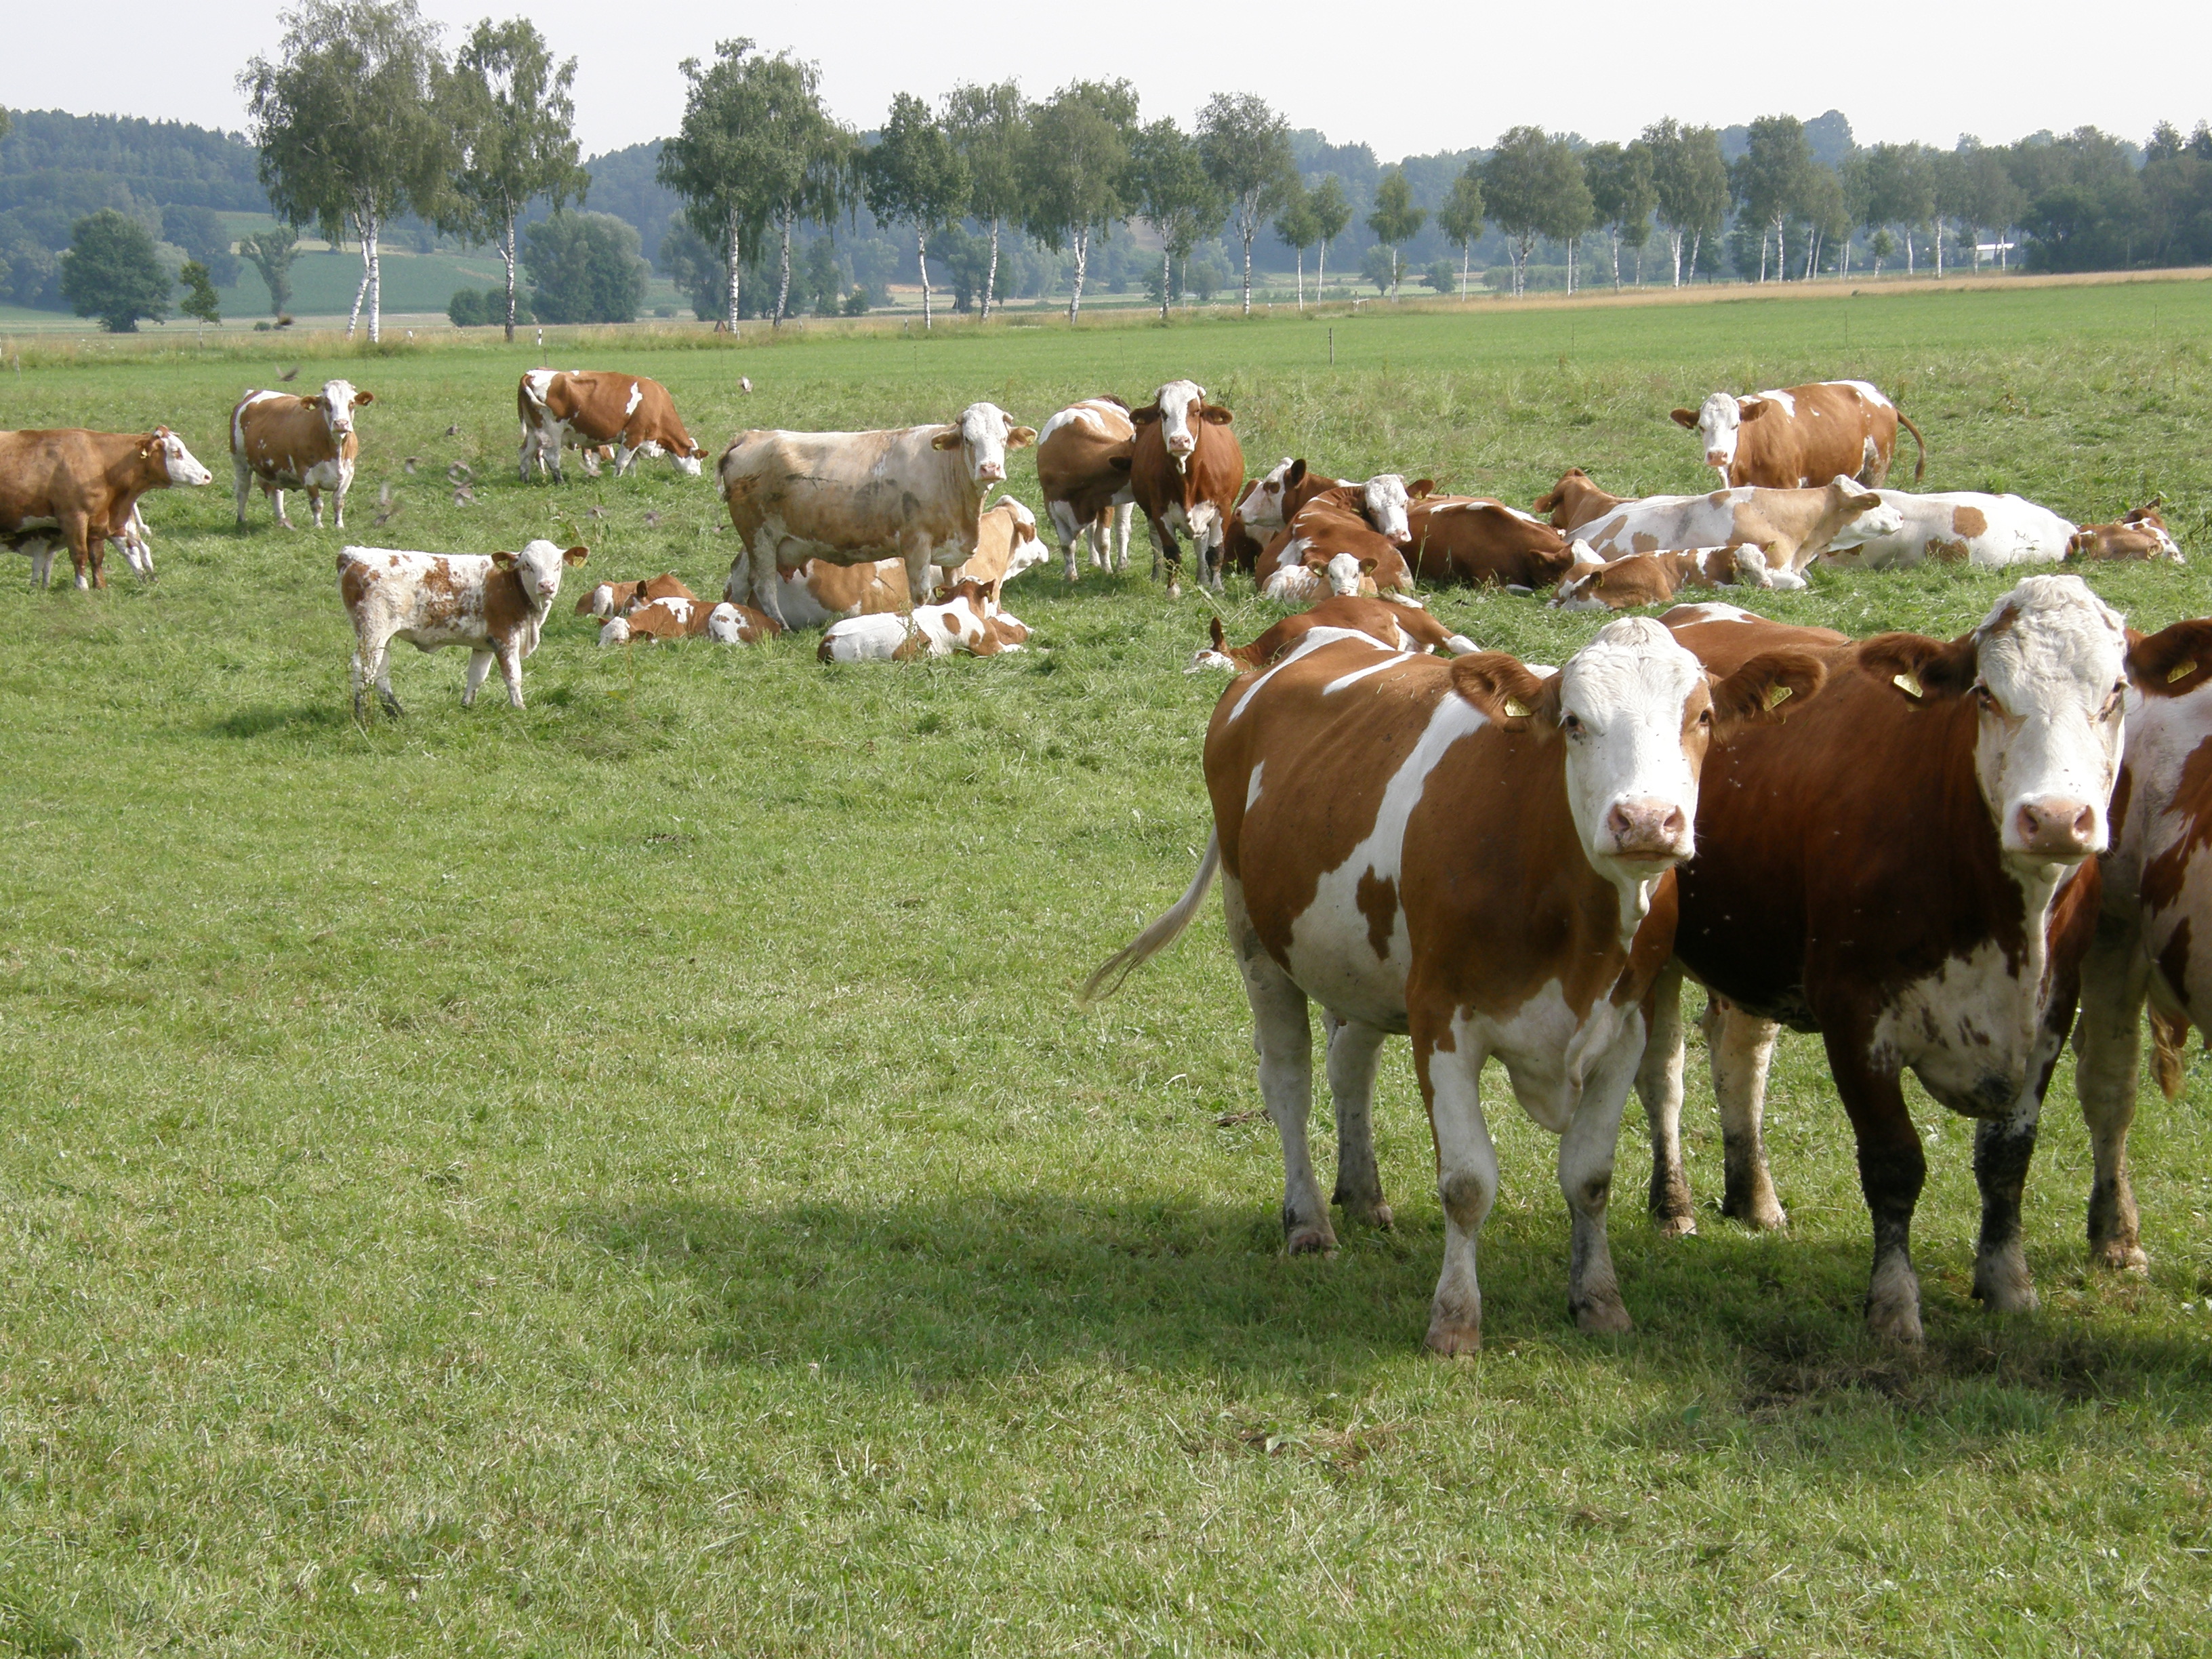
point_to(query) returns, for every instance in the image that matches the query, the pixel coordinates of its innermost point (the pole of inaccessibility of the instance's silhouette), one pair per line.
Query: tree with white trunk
(914, 174)
(1078, 177)
(725, 147)
(988, 126)
(1246, 148)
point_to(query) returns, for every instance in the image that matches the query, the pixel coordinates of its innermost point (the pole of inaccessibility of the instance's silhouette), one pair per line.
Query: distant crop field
(630, 1175)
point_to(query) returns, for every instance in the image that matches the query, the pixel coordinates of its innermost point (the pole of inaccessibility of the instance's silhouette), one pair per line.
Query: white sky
(1433, 78)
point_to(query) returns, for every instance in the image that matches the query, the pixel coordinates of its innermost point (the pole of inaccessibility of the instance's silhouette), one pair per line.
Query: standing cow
(912, 493)
(297, 443)
(495, 605)
(80, 489)
(587, 408)
(1803, 436)
(1186, 471)
(1086, 492)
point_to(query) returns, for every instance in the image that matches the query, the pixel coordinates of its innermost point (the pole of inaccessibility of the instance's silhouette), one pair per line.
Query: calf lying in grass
(725, 624)
(2140, 534)
(1398, 626)
(966, 624)
(1654, 578)
(620, 598)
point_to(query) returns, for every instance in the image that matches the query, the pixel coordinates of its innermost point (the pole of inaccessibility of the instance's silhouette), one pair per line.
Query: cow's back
(845, 489)
(1833, 429)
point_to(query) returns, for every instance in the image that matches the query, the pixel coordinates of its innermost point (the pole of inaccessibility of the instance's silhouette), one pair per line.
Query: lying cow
(966, 624)
(1479, 858)
(1793, 440)
(620, 598)
(854, 497)
(285, 442)
(2141, 533)
(1005, 545)
(1483, 542)
(1400, 627)
(688, 619)
(819, 593)
(1576, 499)
(1366, 524)
(1642, 579)
(1909, 868)
(78, 489)
(495, 606)
(1990, 532)
(1789, 526)
(1185, 471)
(1086, 492)
(1271, 501)
(2154, 943)
(595, 411)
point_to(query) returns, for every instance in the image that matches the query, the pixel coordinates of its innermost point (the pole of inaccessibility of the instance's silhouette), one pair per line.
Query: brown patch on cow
(1946, 552)
(507, 605)
(2173, 964)
(1643, 542)
(2164, 876)
(1968, 522)
(1377, 899)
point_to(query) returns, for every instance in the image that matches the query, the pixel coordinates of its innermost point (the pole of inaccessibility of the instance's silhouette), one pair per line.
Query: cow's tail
(1919, 470)
(1164, 932)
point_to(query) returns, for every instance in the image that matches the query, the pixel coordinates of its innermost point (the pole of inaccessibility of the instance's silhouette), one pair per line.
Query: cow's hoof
(1604, 1316)
(1309, 1240)
(1453, 1338)
(1366, 1212)
(2005, 1287)
(1895, 1322)
(2119, 1255)
(1672, 1224)
(1761, 1214)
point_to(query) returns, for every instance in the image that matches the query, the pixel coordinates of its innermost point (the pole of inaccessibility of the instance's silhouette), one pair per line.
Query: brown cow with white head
(1186, 471)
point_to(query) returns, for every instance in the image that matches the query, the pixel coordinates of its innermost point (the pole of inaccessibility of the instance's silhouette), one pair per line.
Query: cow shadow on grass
(938, 1294)
(303, 720)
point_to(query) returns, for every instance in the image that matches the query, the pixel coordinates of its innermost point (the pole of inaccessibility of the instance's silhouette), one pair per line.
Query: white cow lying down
(1987, 531)
(967, 623)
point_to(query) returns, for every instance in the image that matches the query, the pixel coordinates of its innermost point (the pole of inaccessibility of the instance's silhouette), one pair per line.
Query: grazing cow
(916, 492)
(1987, 531)
(1575, 501)
(1399, 627)
(1084, 491)
(1479, 542)
(1360, 528)
(1791, 526)
(1005, 545)
(2154, 937)
(594, 411)
(1186, 471)
(2141, 533)
(1795, 439)
(1643, 578)
(1476, 857)
(495, 606)
(79, 489)
(687, 618)
(966, 623)
(297, 443)
(1907, 868)
(620, 598)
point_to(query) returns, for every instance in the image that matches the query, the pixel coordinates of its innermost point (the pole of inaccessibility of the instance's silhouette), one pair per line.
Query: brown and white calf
(1398, 627)
(2153, 940)
(592, 410)
(966, 623)
(914, 493)
(1483, 543)
(819, 593)
(285, 442)
(1575, 501)
(1477, 857)
(1186, 471)
(1342, 536)
(1907, 866)
(69, 488)
(1086, 492)
(1645, 579)
(1795, 439)
(620, 598)
(1005, 545)
(2141, 533)
(1789, 526)
(1271, 501)
(688, 619)
(495, 606)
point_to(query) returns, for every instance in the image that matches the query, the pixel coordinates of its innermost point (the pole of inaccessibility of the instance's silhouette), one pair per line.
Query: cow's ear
(1021, 437)
(576, 555)
(1220, 639)
(364, 397)
(1421, 489)
(1752, 411)
(948, 439)
(1296, 476)
(1501, 687)
(1921, 669)
(1771, 687)
(1368, 566)
(1683, 417)
(2080, 544)
(1121, 462)
(1144, 416)
(1215, 414)
(2173, 662)
(504, 561)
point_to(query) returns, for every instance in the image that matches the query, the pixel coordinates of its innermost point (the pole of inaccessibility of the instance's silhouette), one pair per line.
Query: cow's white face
(1385, 504)
(1344, 573)
(1263, 504)
(1179, 403)
(177, 461)
(337, 402)
(983, 435)
(1635, 714)
(539, 565)
(2051, 690)
(1872, 517)
(1720, 423)
(1751, 569)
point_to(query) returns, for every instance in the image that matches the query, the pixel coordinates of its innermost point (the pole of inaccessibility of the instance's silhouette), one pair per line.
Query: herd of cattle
(1930, 853)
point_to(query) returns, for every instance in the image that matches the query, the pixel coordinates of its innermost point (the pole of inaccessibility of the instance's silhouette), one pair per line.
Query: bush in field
(473, 308)
(113, 272)
(466, 309)
(1441, 276)
(584, 268)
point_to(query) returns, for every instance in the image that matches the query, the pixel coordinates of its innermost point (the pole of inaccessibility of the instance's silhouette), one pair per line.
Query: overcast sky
(1406, 83)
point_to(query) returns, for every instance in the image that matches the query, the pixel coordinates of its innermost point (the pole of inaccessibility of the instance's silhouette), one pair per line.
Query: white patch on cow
(1314, 640)
(678, 610)
(1261, 509)
(1867, 392)
(637, 397)
(1101, 420)
(1971, 1031)
(1707, 612)
(1252, 783)
(1293, 584)
(1581, 552)
(1781, 400)
(1720, 423)
(181, 465)
(1870, 453)
(1358, 674)
(1751, 569)
(1344, 574)
(726, 624)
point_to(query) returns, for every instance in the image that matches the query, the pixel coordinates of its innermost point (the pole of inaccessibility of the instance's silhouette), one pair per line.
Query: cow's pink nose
(2056, 827)
(1650, 828)
(991, 472)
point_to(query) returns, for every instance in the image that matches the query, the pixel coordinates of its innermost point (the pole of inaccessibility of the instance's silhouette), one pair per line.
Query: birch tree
(1246, 148)
(1396, 220)
(1170, 187)
(718, 157)
(1689, 185)
(914, 174)
(986, 126)
(1295, 225)
(1462, 215)
(1331, 214)
(1078, 168)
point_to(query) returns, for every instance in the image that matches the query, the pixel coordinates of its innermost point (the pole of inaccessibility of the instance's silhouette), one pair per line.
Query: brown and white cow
(1795, 439)
(592, 410)
(79, 489)
(1575, 501)
(495, 606)
(1271, 501)
(1990, 532)
(1642, 579)
(620, 598)
(676, 618)
(1907, 868)
(1186, 471)
(819, 593)
(966, 623)
(1483, 543)
(1789, 526)
(1399, 627)
(914, 493)
(1341, 539)
(2141, 533)
(1086, 493)
(1480, 858)
(2153, 940)
(297, 443)
(1005, 545)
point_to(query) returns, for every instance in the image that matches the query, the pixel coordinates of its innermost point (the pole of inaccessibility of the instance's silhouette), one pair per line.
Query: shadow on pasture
(269, 719)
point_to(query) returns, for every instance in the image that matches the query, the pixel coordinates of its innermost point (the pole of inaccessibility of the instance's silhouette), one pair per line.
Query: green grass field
(630, 1175)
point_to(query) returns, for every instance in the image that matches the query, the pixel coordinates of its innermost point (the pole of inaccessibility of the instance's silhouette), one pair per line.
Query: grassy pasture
(628, 1176)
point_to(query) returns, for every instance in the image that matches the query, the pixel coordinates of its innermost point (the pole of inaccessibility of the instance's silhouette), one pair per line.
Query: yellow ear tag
(1517, 708)
(2180, 672)
(1907, 684)
(1776, 695)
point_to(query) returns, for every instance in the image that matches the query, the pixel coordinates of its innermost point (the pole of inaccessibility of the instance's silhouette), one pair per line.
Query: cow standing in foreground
(495, 606)
(297, 443)
(1908, 868)
(914, 493)
(1795, 439)
(1186, 471)
(1086, 492)
(1481, 860)
(80, 489)
(590, 411)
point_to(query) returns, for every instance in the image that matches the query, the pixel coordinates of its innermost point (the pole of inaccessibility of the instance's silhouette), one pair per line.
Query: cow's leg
(359, 685)
(1165, 546)
(1659, 1085)
(480, 662)
(380, 669)
(1353, 1049)
(84, 548)
(2115, 980)
(625, 457)
(510, 669)
(315, 505)
(242, 484)
(522, 460)
(1892, 1170)
(1281, 1033)
(276, 498)
(1101, 551)
(915, 550)
(1467, 1180)
(1742, 1049)
(339, 494)
(1067, 533)
(1122, 514)
(1586, 1152)
(42, 564)
(2002, 1148)
(765, 584)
